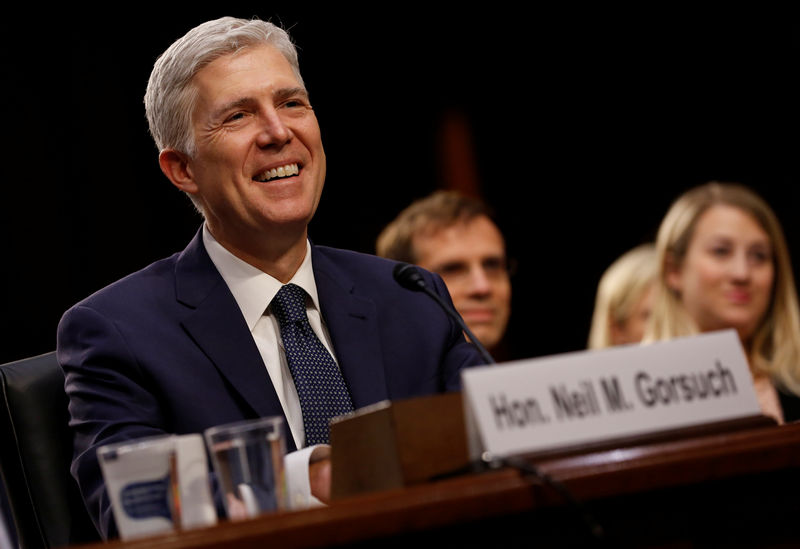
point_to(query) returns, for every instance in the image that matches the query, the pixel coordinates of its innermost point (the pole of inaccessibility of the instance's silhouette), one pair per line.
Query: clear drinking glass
(248, 459)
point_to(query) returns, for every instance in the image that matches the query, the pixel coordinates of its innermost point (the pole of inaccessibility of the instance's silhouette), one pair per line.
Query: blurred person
(250, 319)
(624, 299)
(455, 236)
(724, 263)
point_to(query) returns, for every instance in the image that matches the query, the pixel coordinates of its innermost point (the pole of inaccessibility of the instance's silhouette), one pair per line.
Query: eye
(494, 265)
(294, 103)
(760, 255)
(720, 251)
(452, 269)
(235, 116)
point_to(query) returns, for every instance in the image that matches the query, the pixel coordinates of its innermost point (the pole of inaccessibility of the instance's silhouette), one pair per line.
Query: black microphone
(409, 277)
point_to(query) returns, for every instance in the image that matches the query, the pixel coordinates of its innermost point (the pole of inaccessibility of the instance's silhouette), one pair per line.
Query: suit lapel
(352, 324)
(216, 325)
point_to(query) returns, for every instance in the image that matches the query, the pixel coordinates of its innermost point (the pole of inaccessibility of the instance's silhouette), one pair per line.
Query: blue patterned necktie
(320, 386)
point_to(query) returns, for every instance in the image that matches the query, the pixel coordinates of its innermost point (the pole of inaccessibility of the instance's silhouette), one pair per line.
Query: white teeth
(282, 171)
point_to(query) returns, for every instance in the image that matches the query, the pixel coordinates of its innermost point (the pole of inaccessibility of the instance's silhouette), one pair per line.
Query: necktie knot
(289, 304)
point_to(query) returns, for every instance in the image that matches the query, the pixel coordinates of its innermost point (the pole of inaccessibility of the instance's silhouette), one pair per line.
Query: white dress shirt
(253, 291)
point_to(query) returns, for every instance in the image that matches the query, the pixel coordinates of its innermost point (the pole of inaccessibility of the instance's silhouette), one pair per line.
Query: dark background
(585, 125)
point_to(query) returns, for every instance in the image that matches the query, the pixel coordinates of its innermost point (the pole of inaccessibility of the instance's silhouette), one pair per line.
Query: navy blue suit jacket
(167, 350)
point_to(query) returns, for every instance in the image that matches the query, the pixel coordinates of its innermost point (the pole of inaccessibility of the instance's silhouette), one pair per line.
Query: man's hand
(319, 473)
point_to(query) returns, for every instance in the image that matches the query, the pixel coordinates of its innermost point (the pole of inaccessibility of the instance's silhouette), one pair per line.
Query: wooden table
(728, 489)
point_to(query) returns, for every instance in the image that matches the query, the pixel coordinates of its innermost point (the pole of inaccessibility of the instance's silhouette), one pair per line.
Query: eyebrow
(720, 239)
(285, 93)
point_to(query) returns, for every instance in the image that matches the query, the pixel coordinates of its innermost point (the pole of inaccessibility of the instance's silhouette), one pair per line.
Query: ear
(673, 273)
(175, 166)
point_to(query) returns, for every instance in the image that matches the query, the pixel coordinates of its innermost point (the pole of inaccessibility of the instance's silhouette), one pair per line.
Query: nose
(740, 267)
(479, 283)
(273, 131)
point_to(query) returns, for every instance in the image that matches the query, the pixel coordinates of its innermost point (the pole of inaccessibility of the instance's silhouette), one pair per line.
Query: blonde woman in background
(624, 299)
(724, 263)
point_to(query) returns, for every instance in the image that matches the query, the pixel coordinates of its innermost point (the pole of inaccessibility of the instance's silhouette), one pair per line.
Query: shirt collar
(252, 288)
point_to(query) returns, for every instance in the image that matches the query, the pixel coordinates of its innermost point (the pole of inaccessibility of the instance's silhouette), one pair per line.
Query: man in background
(455, 236)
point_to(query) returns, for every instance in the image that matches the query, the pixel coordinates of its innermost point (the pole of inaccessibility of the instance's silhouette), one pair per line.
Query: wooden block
(396, 444)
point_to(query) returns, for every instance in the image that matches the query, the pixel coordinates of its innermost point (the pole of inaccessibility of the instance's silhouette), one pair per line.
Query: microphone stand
(409, 277)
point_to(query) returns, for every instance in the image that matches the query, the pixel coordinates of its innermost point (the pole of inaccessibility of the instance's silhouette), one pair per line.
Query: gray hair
(170, 97)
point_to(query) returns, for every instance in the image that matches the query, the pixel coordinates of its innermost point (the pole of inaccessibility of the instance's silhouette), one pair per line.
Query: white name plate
(587, 397)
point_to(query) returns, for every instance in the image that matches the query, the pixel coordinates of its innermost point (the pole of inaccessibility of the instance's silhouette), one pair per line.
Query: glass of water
(248, 460)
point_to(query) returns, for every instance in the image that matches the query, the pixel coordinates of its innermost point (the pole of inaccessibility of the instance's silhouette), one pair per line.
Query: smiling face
(726, 278)
(259, 165)
(471, 259)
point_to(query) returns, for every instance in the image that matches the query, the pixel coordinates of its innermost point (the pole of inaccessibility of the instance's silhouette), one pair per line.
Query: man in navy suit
(191, 341)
